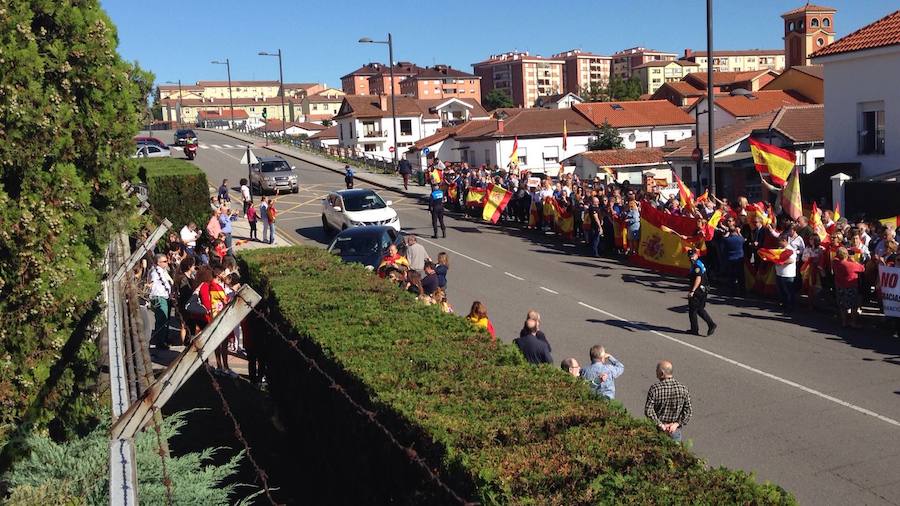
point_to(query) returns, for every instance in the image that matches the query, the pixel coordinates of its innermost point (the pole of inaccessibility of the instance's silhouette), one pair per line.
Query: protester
(785, 273)
(535, 350)
(733, 253)
(668, 402)
(405, 169)
(846, 283)
(184, 287)
(189, 236)
(271, 214)
(225, 219)
(252, 218)
(602, 372)
(246, 197)
(534, 315)
(430, 282)
(348, 177)
(223, 196)
(571, 367)
(213, 297)
(264, 218)
(441, 269)
(160, 293)
(392, 260)
(595, 220)
(633, 222)
(699, 285)
(479, 317)
(440, 299)
(415, 253)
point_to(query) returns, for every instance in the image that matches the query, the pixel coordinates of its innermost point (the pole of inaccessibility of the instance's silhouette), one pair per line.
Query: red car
(138, 139)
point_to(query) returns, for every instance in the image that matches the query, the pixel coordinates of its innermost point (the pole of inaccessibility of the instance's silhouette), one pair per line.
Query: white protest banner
(888, 278)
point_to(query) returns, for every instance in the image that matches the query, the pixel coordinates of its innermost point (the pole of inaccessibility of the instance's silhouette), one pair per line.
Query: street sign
(696, 154)
(391, 149)
(425, 151)
(249, 158)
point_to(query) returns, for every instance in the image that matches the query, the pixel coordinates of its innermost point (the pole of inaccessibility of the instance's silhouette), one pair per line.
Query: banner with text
(890, 290)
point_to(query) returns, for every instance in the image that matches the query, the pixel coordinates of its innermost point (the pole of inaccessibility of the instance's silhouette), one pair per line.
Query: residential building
(807, 80)
(300, 90)
(172, 91)
(624, 62)
(654, 74)
(725, 82)
(294, 128)
(365, 123)
(323, 105)
(641, 123)
(632, 165)
(357, 82)
(558, 101)
(441, 81)
(239, 89)
(583, 70)
(862, 98)
(733, 107)
(521, 76)
(806, 30)
(380, 83)
(739, 60)
(327, 138)
(253, 107)
(680, 93)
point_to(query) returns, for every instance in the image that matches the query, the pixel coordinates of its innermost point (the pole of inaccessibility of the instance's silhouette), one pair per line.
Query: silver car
(273, 173)
(151, 151)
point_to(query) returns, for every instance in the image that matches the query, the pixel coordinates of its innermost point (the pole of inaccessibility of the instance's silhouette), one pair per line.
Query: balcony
(374, 134)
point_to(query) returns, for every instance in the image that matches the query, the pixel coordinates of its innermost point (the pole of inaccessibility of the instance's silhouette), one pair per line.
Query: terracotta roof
(740, 52)
(801, 123)
(625, 157)
(329, 133)
(369, 106)
(440, 71)
(682, 88)
(809, 8)
(224, 84)
(884, 32)
(469, 127)
(760, 102)
(299, 86)
(400, 69)
(319, 117)
(634, 114)
(724, 78)
(369, 69)
(530, 123)
(224, 115)
(725, 136)
(324, 98)
(816, 71)
(224, 102)
(476, 110)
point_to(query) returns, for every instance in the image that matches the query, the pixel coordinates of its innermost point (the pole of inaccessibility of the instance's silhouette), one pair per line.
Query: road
(797, 401)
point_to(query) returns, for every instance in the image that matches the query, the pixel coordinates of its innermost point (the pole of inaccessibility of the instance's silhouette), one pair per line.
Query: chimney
(383, 102)
(500, 126)
(688, 53)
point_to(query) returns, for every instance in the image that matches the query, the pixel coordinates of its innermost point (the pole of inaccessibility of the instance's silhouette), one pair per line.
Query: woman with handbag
(214, 298)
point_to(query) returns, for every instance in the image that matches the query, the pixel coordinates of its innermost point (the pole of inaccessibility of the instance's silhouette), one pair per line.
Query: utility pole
(281, 83)
(390, 45)
(227, 64)
(711, 101)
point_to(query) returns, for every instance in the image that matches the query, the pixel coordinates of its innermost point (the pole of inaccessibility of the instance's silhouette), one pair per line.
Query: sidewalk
(390, 182)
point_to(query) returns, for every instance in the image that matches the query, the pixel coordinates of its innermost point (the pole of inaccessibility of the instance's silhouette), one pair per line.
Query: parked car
(151, 151)
(357, 208)
(183, 135)
(366, 245)
(273, 173)
(143, 139)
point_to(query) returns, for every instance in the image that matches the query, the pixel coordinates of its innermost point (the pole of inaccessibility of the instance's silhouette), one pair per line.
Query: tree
(621, 90)
(495, 99)
(594, 93)
(327, 122)
(69, 107)
(605, 137)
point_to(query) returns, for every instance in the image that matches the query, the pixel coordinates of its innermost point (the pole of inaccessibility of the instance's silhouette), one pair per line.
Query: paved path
(797, 401)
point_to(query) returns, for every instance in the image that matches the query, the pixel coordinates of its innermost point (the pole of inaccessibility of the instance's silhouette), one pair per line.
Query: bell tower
(806, 30)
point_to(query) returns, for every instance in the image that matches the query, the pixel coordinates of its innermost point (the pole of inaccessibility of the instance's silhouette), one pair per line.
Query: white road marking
(752, 369)
(214, 146)
(544, 288)
(203, 146)
(514, 276)
(489, 266)
(227, 146)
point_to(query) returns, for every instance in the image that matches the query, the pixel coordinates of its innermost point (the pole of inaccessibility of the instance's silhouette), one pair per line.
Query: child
(219, 249)
(251, 219)
(443, 265)
(348, 177)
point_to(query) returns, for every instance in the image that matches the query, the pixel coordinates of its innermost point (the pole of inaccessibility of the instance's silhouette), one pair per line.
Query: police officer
(697, 295)
(436, 206)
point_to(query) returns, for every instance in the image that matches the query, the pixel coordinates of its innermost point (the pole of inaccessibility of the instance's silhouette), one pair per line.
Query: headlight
(355, 223)
(394, 219)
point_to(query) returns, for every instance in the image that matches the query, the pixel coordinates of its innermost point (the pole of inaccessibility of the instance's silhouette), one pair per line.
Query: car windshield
(276, 166)
(186, 133)
(355, 246)
(363, 202)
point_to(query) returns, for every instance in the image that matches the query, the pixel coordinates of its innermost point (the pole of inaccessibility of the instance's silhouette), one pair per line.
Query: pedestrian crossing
(220, 146)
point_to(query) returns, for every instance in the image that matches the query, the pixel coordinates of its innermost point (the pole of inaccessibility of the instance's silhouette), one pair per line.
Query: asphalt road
(797, 401)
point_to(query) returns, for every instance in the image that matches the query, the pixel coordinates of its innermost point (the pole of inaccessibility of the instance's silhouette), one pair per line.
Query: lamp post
(178, 115)
(227, 64)
(281, 82)
(390, 45)
(711, 100)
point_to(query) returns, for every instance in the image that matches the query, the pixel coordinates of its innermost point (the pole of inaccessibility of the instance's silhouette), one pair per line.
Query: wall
(805, 84)
(655, 137)
(862, 79)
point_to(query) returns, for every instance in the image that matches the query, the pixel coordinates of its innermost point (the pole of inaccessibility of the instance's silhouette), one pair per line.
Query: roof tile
(881, 33)
(725, 136)
(759, 102)
(801, 123)
(635, 113)
(625, 157)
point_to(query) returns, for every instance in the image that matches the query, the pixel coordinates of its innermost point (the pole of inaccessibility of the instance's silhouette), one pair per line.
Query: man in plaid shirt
(668, 402)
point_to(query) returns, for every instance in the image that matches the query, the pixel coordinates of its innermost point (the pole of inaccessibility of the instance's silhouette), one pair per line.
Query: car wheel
(295, 190)
(325, 226)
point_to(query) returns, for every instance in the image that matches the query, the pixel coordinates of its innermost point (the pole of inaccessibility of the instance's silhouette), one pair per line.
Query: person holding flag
(785, 260)
(436, 207)
(699, 285)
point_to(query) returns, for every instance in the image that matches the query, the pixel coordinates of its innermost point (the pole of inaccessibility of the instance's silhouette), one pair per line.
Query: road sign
(391, 149)
(249, 158)
(696, 154)
(425, 151)
(265, 114)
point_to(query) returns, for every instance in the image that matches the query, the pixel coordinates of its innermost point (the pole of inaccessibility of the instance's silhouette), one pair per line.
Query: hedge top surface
(520, 434)
(160, 167)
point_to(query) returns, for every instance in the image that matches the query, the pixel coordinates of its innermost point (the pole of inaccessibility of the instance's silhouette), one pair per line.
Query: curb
(276, 148)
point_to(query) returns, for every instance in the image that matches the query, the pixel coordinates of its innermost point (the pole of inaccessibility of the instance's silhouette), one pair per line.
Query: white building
(327, 138)
(365, 123)
(295, 128)
(733, 107)
(862, 98)
(558, 101)
(641, 123)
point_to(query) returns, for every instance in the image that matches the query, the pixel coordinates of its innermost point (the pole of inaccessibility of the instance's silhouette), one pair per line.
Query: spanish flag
(620, 232)
(660, 249)
(497, 199)
(702, 198)
(565, 223)
(815, 222)
(533, 215)
(714, 220)
(778, 256)
(790, 197)
(475, 197)
(772, 162)
(453, 192)
(687, 198)
(514, 156)
(436, 176)
(895, 221)
(549, 210)
(837, 212)
(610, 172)
(565, 136)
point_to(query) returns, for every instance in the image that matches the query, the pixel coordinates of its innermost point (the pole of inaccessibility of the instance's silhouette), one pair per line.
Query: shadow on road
(636, 326)
(315, 233)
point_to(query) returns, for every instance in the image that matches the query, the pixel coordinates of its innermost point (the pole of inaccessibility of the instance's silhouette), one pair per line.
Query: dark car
(143, 139)
(184, 135)
(366, 245)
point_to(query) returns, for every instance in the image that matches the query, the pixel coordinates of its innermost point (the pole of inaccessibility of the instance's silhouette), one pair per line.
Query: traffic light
(265, 115)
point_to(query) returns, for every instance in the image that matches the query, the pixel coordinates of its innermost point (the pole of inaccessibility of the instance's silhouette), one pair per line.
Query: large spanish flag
(895, 221)
(534, 215)
(772, 162)
(778, 256)
(620, 232)
(549, 210)
(660, 249)
(475, 197)
(495, 203)
(815, 222)
(565, 222)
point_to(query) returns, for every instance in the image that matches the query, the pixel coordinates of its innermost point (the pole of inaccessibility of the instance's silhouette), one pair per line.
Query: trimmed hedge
(499, 431)
(178, 190)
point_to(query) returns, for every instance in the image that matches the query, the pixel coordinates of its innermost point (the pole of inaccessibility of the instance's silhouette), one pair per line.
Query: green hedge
(500, 430)
(178, 191)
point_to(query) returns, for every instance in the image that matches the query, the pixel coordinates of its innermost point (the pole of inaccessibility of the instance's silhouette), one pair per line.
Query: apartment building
(624, 62)
(322, 105)
(239, 90)
(654, 74)
(357, 82)
(583, 70)
(522, 76)
(380, 83)
(739, 60)
(442, 81)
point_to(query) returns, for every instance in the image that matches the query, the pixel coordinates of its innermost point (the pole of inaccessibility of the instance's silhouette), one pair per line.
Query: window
(791, 26)
(871, 128)
(368, 147)
(814, 23)
(551, 156)
(826, 22)
(523, 156)
(487, 156)
(820, 42)
(405, 127)
(642, 144)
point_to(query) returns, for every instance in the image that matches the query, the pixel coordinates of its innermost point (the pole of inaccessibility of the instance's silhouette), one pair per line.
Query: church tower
(806, 30)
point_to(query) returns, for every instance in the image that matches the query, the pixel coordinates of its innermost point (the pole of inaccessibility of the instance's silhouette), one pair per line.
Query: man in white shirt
(785, 273)
(160, 291)
(189, 236)
(245, 195)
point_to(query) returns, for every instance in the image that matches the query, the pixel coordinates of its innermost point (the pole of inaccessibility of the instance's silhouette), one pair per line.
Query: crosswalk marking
(204, 146)
(227, 146)
(215, 146)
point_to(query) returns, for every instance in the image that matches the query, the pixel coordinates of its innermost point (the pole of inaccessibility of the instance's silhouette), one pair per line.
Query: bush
(178, 191)
(500, 431)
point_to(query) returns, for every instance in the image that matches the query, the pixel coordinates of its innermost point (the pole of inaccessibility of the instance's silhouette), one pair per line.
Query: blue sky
(319, 39)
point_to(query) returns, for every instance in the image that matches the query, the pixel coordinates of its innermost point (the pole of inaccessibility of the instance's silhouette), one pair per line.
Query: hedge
(178, 190)
(499, 430)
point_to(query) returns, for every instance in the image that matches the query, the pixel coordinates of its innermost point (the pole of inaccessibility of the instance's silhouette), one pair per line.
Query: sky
(319, 39)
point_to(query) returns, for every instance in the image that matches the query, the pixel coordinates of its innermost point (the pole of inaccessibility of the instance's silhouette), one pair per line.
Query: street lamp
(390, 45)
(227, 64)
(711, 99)
(179, 102)
(281, 81)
